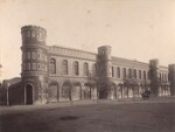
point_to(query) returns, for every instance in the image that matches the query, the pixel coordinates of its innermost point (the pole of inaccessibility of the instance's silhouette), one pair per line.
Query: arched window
(165, 77)
(66, 90)
(94, 69)
(65, 67)
(144, 74)
(118, 72)
(86, 69)
(135, 73)
(52, 67)
(112, 71)
(140, 74)
(160, 77)
(76, 68)
(124, 72)
(53, 92)
(129, 73)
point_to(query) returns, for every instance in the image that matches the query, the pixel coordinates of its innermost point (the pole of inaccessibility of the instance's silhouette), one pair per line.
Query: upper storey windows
(71, 68)
(33, 35)
(124, 72)
(102, 52)
(86, 69)
(65, 67)
(144, 75)
(135, 73)
(118, 72)
(76, 68)
(163, 77)
(52, 66)
(112, 71)
(38, 55)
(32, 66)
(129, 73)
(94, 69)
(140, 74)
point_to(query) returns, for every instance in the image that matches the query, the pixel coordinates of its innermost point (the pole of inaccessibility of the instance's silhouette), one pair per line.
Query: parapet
(105, 51)
(154, 62)
(32, 33)
(104, 47)
(171, 67)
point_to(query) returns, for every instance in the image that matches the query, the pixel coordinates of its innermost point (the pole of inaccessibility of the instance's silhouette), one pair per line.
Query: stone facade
(53, 74)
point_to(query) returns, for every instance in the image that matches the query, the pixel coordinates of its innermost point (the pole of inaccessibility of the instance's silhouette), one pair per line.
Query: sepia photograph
(87, 65)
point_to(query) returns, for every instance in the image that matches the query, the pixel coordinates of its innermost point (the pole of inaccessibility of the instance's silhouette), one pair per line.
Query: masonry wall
(69, 86)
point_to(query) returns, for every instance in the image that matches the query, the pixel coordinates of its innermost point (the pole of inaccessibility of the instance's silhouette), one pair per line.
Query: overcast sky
(136, 29)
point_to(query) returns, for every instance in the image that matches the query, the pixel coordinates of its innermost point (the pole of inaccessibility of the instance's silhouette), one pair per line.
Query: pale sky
(136, 29)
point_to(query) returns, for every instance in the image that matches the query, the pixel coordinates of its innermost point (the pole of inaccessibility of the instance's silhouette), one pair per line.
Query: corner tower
(34, 64)
(104, 70)
(171, 78)
(154, 76)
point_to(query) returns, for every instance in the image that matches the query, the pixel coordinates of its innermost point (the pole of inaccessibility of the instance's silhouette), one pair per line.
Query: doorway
(29, 94)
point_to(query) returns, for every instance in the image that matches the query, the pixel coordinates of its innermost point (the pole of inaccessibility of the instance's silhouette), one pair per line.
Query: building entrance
(29, 94)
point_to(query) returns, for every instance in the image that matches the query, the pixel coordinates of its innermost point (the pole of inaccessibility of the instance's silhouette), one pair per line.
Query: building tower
(171, 78)
(0, 73)
(104, 71)
(154, 76)
(0, 66)
(34, 64)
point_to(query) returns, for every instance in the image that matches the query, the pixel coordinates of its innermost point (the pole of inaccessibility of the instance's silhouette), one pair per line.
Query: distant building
(0, 73)
(54, 73)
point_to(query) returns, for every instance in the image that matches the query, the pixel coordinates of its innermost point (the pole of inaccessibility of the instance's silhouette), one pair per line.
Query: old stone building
(53, 74)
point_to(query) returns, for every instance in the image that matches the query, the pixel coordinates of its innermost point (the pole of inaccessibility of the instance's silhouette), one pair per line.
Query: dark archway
(87, 91)
(53, 92)
(66, 90)
(76, 91)
(29, 94)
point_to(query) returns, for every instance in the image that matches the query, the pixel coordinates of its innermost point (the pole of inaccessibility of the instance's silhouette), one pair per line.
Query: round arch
(29, 92)
(53, 92)
(66, 90)
(76, 91)
(87, 91)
